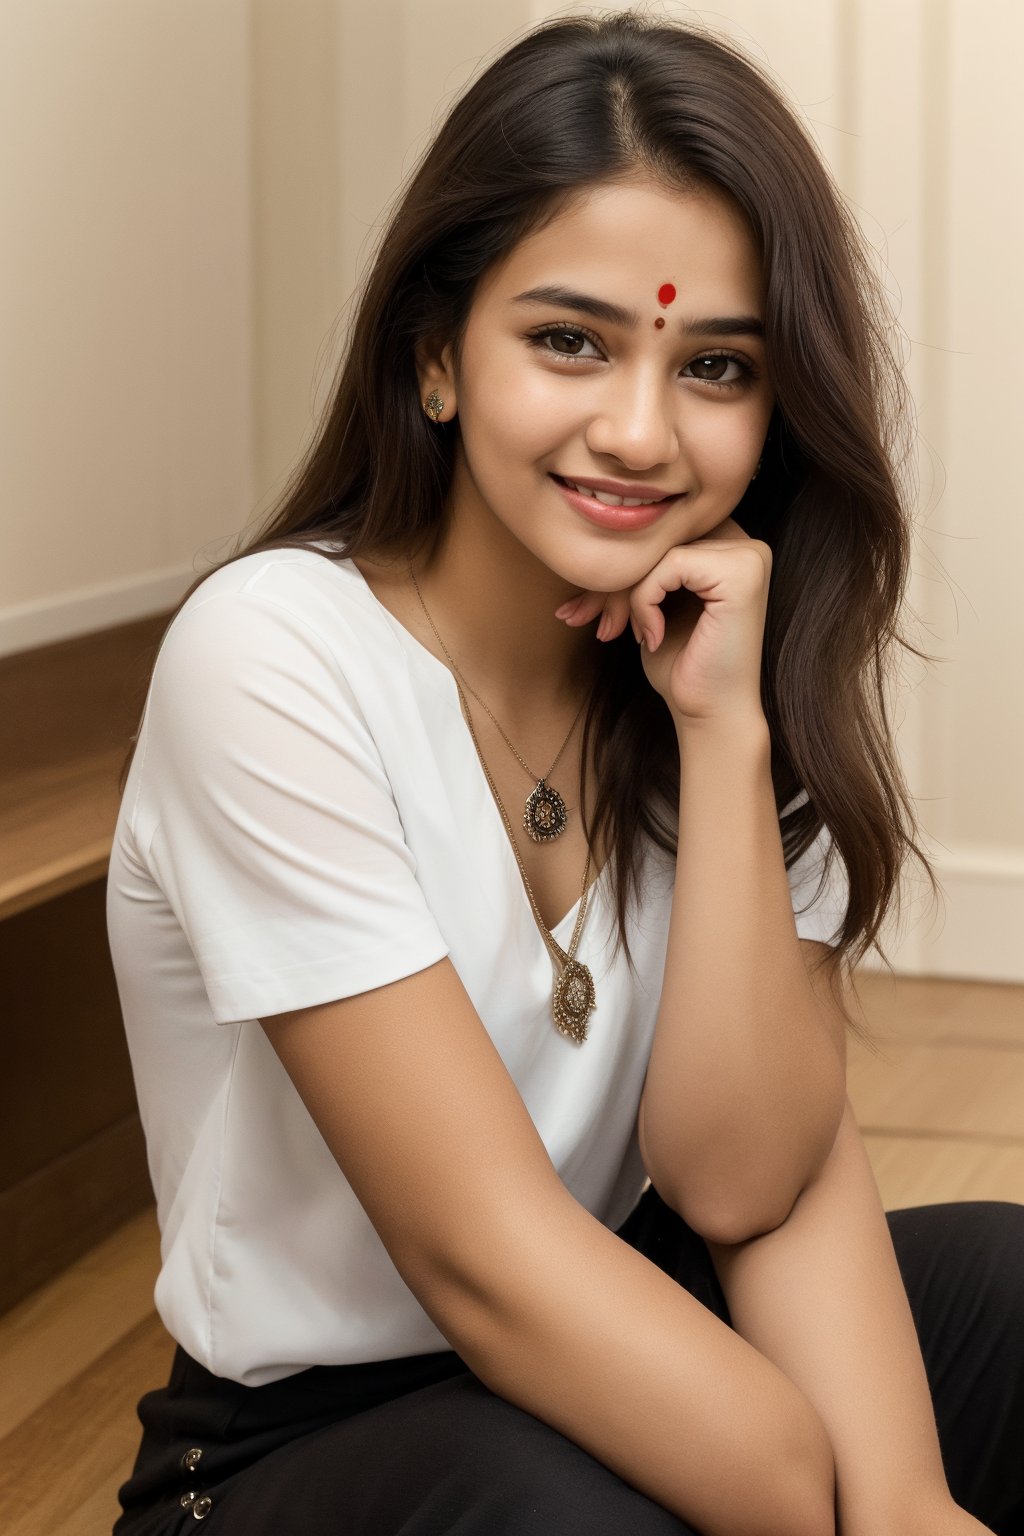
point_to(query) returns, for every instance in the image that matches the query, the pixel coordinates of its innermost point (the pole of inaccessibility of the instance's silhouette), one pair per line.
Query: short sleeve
(820, 913)
(272, 827)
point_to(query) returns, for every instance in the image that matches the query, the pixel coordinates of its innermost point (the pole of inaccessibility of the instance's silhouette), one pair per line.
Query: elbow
(723, 1205)
(711, 1207)
(728, 1208)
(728, 1214)
(744, 1192)
(726, 1223)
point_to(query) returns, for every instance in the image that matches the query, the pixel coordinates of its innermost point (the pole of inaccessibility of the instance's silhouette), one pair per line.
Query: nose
(636, 422)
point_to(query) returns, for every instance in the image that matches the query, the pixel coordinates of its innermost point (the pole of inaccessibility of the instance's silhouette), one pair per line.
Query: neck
(493, 603)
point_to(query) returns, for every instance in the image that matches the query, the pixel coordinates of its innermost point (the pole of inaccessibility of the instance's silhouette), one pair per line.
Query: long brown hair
(575, 102)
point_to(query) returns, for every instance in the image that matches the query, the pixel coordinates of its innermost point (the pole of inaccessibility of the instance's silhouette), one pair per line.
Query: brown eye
(569, 342)
(566, 341)
(710, 367)
(714, 368)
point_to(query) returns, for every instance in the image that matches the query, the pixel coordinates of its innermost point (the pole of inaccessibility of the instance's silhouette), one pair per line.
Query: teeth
(613, 501)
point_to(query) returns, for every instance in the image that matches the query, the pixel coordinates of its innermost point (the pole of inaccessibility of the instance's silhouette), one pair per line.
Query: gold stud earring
(433, 405)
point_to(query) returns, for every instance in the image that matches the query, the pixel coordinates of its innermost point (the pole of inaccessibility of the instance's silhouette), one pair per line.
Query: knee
(978, 1244)
(995, 1232)
(1003, 1220)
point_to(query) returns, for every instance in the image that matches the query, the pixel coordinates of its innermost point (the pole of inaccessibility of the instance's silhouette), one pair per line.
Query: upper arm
(267, 816)
(425, 1122)
(832, 990)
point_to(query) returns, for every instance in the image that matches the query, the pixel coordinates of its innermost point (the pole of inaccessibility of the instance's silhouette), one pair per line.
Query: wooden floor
(940, 1103)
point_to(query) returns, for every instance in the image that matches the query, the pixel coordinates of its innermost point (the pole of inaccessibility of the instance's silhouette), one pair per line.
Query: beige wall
(126, 299)
(190, 190)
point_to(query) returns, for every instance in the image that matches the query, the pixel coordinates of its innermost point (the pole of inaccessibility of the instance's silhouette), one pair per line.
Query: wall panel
(194, 190)
(124, 303)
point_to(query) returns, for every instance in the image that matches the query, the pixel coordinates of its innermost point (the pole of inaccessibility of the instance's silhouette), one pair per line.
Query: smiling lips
(603, 502)
(612, 493)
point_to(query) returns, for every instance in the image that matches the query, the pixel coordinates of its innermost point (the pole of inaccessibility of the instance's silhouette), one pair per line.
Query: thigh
(449, 1458)
(415, 1446)
(963, 1270)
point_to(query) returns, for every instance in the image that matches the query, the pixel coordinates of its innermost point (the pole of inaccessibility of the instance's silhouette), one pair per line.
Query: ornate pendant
(573, 1000)
(545, 815)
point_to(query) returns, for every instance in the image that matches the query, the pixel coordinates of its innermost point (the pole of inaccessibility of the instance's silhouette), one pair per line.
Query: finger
(653, 629)
(688, 570)
(582, 609)
(647, 615)
(616, 615)
(726, 570)
(642, 620)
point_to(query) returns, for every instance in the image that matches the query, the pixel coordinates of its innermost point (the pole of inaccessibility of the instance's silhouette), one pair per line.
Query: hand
(703, 654)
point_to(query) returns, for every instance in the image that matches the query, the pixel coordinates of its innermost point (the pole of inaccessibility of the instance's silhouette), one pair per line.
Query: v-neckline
(451, 690)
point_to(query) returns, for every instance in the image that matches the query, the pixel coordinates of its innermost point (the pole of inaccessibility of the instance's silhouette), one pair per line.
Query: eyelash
(571, 328)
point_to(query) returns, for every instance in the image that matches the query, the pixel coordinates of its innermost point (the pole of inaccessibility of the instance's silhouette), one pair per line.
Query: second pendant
(545, 815)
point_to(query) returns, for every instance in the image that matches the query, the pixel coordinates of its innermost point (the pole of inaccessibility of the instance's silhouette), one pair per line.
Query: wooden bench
(72, 1160)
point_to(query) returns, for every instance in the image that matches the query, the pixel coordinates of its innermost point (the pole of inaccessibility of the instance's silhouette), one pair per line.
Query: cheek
(726, 444)
(513, 417)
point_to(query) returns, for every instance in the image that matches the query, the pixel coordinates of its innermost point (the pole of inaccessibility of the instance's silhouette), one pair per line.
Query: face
(618, 349)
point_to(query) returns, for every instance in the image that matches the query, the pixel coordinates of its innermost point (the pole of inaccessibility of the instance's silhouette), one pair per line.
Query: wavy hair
(583, 100)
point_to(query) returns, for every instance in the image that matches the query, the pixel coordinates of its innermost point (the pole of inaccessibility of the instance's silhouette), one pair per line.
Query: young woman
(444, 919)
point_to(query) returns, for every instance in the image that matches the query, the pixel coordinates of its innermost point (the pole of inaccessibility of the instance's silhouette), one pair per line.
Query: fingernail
(604, 626)
(566, 608)
(649, 637)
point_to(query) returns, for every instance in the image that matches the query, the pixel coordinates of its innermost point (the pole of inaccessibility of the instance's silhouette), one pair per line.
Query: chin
(605, 570)
(612, 565)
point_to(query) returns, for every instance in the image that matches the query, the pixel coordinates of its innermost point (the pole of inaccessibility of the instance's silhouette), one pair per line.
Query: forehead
(624, 241)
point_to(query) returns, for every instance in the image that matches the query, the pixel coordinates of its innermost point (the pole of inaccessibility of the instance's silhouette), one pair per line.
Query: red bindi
(659, 324)
(666, 293)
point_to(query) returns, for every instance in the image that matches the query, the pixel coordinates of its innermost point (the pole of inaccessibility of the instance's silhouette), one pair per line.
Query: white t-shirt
(306, 818)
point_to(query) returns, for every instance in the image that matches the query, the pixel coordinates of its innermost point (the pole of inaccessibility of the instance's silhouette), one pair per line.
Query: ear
(435, 371)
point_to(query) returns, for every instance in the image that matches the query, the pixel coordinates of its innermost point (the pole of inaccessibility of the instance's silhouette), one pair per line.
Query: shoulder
(259, 603)
(317, 584)
(272, 639)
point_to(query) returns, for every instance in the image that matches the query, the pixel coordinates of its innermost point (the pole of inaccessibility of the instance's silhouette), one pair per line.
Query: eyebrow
(614, 314)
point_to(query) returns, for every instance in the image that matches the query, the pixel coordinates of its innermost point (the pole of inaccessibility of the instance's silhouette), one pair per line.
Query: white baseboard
(28, 625)
(976, 932)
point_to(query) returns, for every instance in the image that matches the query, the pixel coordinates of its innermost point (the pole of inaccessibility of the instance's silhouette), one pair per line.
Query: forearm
(563, 1318)
(822, 1297)
(744, 1088)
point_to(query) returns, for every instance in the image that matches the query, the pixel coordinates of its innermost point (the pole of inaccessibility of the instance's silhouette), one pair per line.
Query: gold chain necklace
(574, 997)
(545, 814)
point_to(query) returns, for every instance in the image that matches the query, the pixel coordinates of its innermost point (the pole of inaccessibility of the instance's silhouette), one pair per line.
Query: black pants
(420, 1447)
